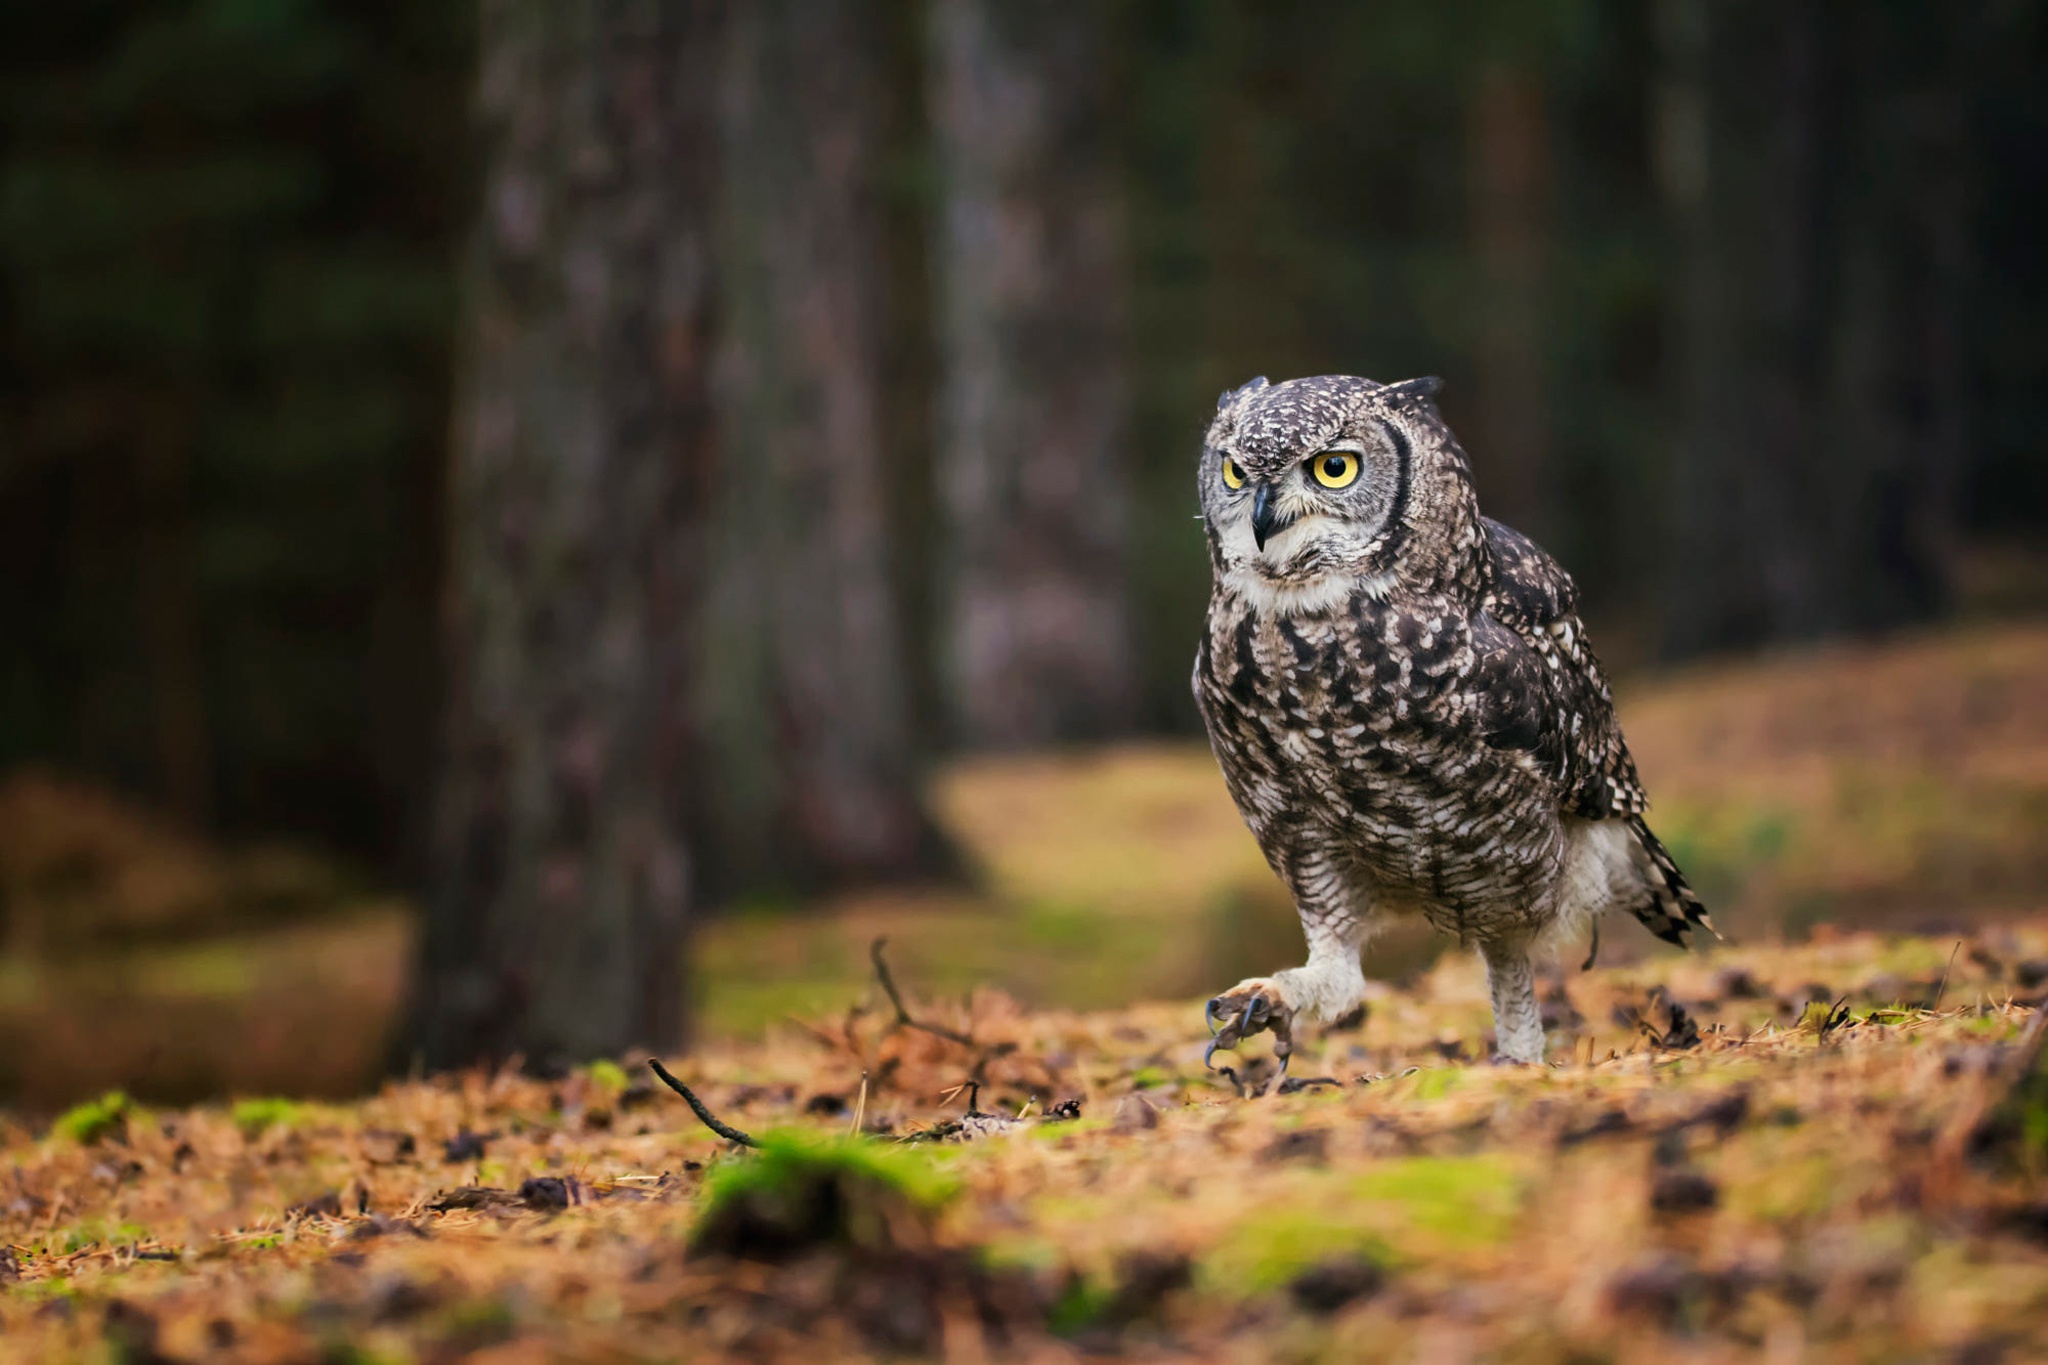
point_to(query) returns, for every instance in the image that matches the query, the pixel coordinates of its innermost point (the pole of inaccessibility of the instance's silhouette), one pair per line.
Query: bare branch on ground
(710, 1120)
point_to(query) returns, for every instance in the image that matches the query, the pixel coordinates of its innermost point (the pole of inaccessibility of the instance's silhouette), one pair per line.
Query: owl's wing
(1539, 686)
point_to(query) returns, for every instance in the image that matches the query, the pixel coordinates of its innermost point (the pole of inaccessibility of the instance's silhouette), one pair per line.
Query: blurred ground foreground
(1902, 786)
(1833, 1151)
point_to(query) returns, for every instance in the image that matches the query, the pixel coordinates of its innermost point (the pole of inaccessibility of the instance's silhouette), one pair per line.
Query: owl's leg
(1330, 986)
(1517, 1021)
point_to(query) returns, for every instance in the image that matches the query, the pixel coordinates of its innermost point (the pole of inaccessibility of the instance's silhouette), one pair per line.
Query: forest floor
(1823, 1139)
(1901, 784)
(1829, 1151)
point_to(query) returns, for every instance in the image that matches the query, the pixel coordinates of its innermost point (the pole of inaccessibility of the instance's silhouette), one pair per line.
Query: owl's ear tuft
(1419, 393)
(1231, 394)
(1424, 389)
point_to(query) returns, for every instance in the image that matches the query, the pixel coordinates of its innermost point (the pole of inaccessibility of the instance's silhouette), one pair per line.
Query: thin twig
(903, 1015)
(1942, 989)
(726, 1131)
(973, 1088)
(860, 1107)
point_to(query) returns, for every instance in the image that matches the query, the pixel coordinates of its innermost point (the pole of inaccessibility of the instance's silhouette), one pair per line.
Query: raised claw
(1210, 1013)
(1209, 1054)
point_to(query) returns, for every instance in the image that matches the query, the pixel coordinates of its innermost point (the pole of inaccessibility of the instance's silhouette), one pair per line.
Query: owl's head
(1315, 489)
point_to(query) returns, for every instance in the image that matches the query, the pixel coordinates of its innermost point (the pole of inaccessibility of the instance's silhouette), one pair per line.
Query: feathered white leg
(1517, 1020)
(1328, 987)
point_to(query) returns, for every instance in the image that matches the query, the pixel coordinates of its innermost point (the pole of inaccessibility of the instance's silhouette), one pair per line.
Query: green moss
(1467, 1200)
(1420, 1205)
(788, 1157)
(1816, 1017)
(803, 1190)
(95, 1119)
(1034, 1254)
(1435, 1083)
(608, 1075)
(479, 1319)
(255, 1117)
(1784, 1186)
(49, 1287)
(1149, 1077)
(1265, 1252)
(92, 1232)
(1069, 1127)
(1082, 1302)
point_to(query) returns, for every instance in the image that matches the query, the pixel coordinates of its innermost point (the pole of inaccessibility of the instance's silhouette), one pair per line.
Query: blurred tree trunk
(1034, 389)
(1814, 155)
(807, 688)
(1510, 182)
(583, 451)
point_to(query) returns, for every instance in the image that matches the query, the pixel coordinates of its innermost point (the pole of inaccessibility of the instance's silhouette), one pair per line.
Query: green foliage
(95, 1119)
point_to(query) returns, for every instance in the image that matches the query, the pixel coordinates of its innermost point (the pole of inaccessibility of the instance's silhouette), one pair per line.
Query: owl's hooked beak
(1265, 516)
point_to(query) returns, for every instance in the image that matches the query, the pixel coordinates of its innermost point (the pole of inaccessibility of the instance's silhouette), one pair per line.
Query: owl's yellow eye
(1233, 477)
(1335, 468)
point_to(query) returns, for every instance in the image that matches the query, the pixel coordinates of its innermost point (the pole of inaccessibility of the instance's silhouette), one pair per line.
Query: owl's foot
(1249, 1007)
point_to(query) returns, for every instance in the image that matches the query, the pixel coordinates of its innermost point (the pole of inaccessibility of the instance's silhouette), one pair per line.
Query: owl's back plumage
(1400, 691)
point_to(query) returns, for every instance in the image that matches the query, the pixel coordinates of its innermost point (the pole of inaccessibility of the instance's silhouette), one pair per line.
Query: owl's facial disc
(1307, 525)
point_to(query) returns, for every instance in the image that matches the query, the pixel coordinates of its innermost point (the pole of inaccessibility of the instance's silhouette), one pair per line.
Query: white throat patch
(1316, 597)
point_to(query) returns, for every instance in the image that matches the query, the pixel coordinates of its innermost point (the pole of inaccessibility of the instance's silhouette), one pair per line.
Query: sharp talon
(1209, 1054)
(1210, 1012)
(1281, 1075)
(1244, 1021)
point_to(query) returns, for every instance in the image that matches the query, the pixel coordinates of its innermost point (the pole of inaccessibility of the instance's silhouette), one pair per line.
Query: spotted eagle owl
(1405, 706)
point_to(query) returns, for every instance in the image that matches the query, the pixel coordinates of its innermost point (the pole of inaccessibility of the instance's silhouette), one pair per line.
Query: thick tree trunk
(1510, 209)
(1815, 170)
(807, 684)
(561, 880)
(1034, 390)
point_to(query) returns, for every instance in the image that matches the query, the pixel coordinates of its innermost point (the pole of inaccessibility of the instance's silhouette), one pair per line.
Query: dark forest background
(585, 463)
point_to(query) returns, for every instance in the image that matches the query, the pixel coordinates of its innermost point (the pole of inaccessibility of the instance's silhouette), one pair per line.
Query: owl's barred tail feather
(1674, 908)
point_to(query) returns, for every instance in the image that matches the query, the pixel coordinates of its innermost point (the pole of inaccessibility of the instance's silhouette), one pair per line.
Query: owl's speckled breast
(1355, 731)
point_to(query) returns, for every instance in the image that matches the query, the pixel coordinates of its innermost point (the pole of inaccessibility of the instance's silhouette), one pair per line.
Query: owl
(1405, 706)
